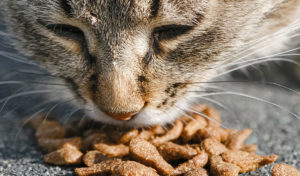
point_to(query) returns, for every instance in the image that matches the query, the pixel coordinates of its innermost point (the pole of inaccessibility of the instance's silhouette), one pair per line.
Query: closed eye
(67, 31)
(169, 32)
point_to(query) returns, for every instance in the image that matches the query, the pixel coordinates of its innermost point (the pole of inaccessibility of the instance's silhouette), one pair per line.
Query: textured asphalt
(276, 130)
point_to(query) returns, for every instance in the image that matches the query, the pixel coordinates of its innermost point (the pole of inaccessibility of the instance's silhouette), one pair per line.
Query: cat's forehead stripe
(155, 7)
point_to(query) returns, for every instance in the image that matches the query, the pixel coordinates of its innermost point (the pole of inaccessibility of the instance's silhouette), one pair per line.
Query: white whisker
(251, 97)
(29, 93)
(16, 58)
(258, 62)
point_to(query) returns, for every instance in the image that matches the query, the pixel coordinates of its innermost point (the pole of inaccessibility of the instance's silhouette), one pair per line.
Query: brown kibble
(172, 134)
(198, 161)
(213, 147)
(147, 153)
(250, 148)
(192, 127)
(132, 168)
(105, 167)
(217, 133)
(51, 145)
(112, 150)
(199, 107)
(72, 130)
(220, 168)
(197, 172)
(34, 122)
(214, 118)
(127, 137)
(236, 140)
(50, 129)
(145, 134)
(158, 130)
(284, 170)
(152, 147)
(247, 161)
(93, 157)
(67, 155)
(171, 151)
(93, 137)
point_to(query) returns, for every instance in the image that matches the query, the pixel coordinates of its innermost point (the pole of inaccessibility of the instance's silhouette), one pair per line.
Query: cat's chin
(147, 117)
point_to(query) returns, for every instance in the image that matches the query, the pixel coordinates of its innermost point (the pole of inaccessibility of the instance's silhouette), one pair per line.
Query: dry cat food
(191, 147)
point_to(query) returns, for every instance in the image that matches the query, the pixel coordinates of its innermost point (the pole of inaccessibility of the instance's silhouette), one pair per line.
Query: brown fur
(121, 68)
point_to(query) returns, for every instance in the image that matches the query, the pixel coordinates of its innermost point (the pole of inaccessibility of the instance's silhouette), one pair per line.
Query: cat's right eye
(67, 31)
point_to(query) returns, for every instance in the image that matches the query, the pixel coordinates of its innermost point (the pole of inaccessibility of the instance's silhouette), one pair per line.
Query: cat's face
(125, 57)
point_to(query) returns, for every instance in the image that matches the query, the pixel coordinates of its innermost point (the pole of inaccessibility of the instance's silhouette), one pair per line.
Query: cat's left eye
(169, 32)
(67, 31)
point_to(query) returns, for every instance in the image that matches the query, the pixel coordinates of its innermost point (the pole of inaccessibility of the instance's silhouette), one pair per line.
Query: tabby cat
(141, 62)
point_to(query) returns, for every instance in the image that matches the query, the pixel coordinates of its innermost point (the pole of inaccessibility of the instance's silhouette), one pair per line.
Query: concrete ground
(276, 131)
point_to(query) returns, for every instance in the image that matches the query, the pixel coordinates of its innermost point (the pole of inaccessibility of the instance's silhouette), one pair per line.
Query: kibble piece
(51, 145)
(213, 147)
(132, 168)
(158, 130)
(284, 170)
(147, 153)
(220, 168)
(199, 108)
(172, 134)
(250, 148)
(217, 133)
(247, 161)
(171, 151)
(127, 137)
(214, 118)
(72, 130)
(67, 155)
(93, 157)
(198, 161)
(50, 129)
(105, 167)
(112, 150)
(34, 122)
(192, 127)
(197, 172)
(93, 137)
(145, 134)
(236, 140)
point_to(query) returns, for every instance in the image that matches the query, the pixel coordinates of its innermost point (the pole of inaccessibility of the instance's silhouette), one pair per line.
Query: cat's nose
(124, 117)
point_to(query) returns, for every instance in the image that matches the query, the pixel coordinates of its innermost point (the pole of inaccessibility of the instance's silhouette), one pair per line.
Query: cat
(141, 62)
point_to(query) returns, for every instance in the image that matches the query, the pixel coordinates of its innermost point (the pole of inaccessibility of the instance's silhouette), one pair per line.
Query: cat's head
(136, 59)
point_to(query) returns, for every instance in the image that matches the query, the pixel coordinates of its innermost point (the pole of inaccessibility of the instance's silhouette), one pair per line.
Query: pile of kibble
(194, 145)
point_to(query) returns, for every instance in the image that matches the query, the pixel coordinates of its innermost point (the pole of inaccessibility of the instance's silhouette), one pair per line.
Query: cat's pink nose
(124, 117)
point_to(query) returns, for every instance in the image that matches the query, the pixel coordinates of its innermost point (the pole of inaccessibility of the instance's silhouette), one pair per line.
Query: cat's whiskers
(16, 58)
(69, 115)
(257, 62)
(246, 81)
(291, 27)
(261, 41)
(25, 122)
(33, 92)
(235, 61)
(250, 97)
(267, 38)
(14, 82)
(58, 104)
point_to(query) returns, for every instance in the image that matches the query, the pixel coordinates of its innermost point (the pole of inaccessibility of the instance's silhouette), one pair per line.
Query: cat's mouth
(117, 119)
(123, 117)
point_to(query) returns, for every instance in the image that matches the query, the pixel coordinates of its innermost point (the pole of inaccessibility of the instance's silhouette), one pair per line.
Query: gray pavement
(276, 131)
